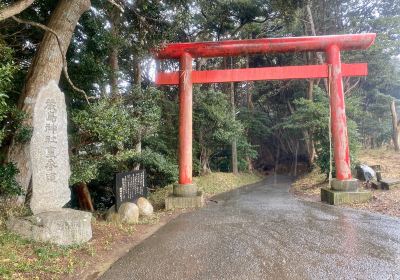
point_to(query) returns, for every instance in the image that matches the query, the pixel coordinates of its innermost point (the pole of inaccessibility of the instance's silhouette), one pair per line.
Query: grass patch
(219, 182)
(386, 157)
(23, 259)
(386, 202)
(211, 184)
(310, 183)
(158, 196)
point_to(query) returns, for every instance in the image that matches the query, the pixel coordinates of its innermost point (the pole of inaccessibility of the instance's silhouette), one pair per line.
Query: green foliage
(161, 170)
(213, 118)
(214, 131)
(106, 123)
(7, 72)
(374, 118)
(23, 134)
(143, 105)
(105, 136)
(83, 169)
(8, 184)
(313, 116)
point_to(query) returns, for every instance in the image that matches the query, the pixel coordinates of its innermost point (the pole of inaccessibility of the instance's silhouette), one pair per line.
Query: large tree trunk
(234, 141)
(314, 33)
(14, 9)
(138, 82)
(46, 66)
(84, 198)
(250, 107)
(395, 132)
(114, 51)
(308, 135)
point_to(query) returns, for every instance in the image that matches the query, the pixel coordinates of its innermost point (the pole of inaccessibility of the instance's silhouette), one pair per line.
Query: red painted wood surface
(264, 73)
(185, 120)
(338, 115)
(266, 45)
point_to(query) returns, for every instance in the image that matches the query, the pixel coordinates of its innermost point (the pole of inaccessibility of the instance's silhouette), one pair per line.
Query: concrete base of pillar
(345, 185)
(185, 190)
(335, 197)
(179, 202)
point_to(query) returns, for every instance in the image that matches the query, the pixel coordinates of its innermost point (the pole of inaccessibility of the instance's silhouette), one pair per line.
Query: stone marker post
(50, 175)
(49, 151)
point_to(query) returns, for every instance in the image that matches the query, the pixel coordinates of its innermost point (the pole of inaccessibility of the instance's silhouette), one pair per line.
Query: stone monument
(49, 151)
(49, 158)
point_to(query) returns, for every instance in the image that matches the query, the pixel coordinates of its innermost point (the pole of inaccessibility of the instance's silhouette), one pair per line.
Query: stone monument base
(335, 197)
(61, 227)
(179, 202)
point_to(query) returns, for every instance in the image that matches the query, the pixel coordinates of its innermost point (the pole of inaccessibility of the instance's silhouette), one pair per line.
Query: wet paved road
(262, 232)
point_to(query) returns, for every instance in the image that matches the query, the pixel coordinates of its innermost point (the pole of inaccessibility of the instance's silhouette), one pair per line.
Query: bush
(8, 184)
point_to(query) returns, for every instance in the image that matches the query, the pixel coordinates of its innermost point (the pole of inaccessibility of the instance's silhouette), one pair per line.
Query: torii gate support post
(343, 180)
(185, 186)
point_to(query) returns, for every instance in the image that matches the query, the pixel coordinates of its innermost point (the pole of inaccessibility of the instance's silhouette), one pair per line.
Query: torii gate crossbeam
(333, 69)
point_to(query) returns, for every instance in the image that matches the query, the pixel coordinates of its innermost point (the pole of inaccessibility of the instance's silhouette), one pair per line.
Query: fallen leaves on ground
(385, 202)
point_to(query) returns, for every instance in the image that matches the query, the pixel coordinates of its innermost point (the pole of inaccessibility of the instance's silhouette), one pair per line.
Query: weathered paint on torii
(333, 69)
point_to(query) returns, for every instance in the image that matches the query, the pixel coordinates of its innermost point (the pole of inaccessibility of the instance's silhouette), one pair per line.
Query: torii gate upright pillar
(343, 180)
(185, 186)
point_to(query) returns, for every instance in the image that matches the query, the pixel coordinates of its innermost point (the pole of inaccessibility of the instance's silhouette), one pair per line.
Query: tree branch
(112, 2)
(352, 87)
(64, 59)
(14, 9)
(314, 33)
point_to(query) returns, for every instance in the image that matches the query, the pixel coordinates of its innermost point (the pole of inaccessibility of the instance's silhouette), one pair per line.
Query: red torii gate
(333, 69)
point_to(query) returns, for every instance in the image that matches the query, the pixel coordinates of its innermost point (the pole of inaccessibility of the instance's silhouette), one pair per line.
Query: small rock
(145, 207)
(112, 216)
(129, 213)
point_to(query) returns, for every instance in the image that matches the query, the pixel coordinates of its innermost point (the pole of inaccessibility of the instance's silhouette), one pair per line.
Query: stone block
(389, 184)
(63, 227)
(334, 197)
(176, 202)
(375, 184)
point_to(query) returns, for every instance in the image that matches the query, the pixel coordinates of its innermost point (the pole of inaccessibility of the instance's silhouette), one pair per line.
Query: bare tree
(395, 124)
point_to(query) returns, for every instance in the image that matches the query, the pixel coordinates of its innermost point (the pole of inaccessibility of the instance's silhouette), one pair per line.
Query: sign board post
(129, 186)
